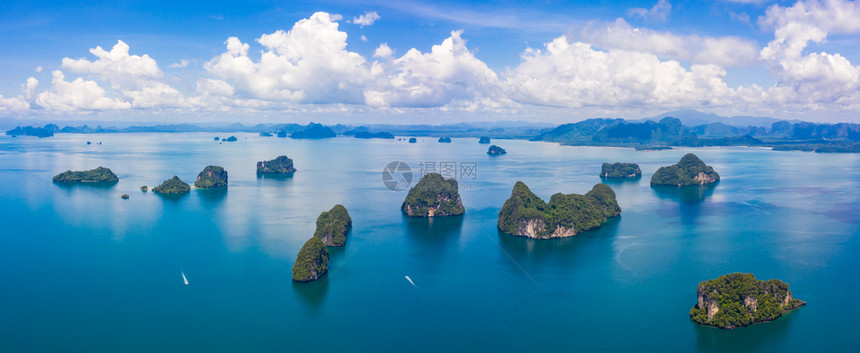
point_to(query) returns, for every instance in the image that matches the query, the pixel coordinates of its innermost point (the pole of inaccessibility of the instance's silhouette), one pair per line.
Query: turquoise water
(82, 270)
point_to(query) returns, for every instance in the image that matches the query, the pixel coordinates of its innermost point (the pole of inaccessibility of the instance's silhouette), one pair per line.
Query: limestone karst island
(98, 175)
(738, 299)
(433, 196)
(690, 170)
(527, 215)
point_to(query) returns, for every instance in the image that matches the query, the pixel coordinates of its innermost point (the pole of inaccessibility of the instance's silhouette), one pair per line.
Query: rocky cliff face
(536, 228)
(704, 178)
(212, 176)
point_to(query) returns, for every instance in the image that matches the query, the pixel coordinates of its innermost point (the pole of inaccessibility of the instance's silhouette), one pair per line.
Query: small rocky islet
(333, 225)
(444, 140)
(739, 299)
(433, 196)
(98, 175)
(525, 214)
(173, 186)
(279, 165)
(496, 151)
(312, 261)
(484, 140)
(212, 176)
(690, 170)
(620, 170)
(413, 140)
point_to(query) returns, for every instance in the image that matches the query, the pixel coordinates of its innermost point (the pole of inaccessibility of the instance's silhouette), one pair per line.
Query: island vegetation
(413, 140)
(690, 170)
(98, 175)
(172, 186)
(144, 188)
(312, 261)
(496, 151)
(526, 214)
(212, 176)
(738, 299)
(433, 196)
(333, 225)
(124, 196)
(373, 135)
(444, 140)
(231, 139)
(484, 140)
(46, 131)
(620, 170)
(279, 165)
(314, 131)
(652, 148)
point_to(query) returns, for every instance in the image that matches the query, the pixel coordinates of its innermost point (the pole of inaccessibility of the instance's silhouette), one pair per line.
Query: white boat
(184, 279)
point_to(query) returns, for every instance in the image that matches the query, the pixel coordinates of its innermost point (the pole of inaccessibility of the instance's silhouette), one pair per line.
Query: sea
(83, 270)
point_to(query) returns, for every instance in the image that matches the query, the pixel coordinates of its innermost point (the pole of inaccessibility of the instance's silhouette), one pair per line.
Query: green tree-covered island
(433, 196)
(279, 165)
(620, 170)
(98, 175)
(496, 151)
(172, 186)
(333, 225)
(525, 214)
(312, 261)
(738, 299)
(690, 170)
(212, 176)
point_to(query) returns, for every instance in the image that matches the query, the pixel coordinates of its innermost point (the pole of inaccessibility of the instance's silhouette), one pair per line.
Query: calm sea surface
(82, 270)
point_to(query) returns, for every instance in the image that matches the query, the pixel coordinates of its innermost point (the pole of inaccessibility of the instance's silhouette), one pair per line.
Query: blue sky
(544, 61)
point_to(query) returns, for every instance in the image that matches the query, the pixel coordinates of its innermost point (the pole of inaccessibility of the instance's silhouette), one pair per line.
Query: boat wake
(410, 281)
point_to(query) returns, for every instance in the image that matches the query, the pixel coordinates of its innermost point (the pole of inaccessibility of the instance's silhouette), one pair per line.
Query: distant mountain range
(670, 131)
(695, 118)
(677, 128)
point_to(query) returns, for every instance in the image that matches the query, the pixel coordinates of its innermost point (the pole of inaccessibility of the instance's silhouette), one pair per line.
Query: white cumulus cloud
(813, 80)
(658, 13)
(383, 51)
(569, 74)
(721, 51)
(308, 64)
(448, 72)
(76, 95)
(367, 19)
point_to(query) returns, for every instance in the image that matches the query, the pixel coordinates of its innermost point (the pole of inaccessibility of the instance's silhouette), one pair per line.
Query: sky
(427, 62)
